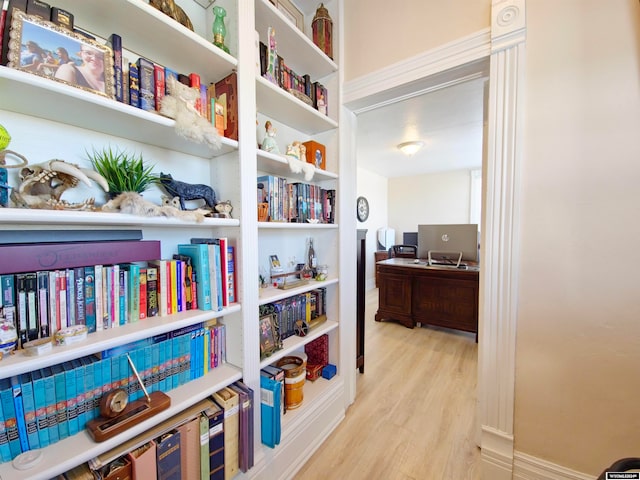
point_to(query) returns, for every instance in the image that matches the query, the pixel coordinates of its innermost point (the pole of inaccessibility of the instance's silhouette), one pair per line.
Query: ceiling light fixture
(410, 148)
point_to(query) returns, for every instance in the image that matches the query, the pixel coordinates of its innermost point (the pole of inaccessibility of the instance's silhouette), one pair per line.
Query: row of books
(46, 405)
(103, 296)
(304, 307)
(295, 202)
(301, 86)
(212, 442)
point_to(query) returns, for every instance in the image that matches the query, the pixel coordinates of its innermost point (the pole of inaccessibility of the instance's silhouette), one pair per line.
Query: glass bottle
(312, 261)
(219, 29)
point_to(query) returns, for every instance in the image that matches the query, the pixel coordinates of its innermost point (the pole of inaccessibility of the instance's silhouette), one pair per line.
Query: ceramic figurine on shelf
(219, 29)
(269, 143)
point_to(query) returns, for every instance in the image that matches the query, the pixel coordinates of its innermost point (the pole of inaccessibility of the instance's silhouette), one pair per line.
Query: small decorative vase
(219, 30)
(322, 27)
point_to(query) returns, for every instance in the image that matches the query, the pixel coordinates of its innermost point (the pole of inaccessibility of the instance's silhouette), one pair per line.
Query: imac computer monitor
(445, 243)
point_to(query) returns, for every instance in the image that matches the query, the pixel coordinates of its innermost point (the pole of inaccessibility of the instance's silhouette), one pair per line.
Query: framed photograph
(275, 262)
(291, 12)
(268, 335)
(48, 50)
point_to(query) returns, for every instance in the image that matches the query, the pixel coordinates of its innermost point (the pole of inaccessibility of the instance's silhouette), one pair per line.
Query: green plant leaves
(124, 172)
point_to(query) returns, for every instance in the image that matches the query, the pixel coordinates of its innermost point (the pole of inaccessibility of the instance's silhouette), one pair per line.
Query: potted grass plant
(123, 171)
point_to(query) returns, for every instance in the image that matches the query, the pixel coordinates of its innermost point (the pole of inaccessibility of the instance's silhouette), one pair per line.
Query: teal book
(81, 392)
(71, 397)
(199, 254)
(89, 387)
(155, 367)
(5, 451)
(10, 420)
(123, 296)
(50, 401)
(29, 407)
(133, 291)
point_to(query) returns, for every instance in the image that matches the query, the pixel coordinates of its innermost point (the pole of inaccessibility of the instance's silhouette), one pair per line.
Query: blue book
(147, 84)
(134, 85)
(155, 362)
(199, 254)
(10, 420)
(175, 361)
(29, 405)
(123, 292)
(219, 279)
(215, 418)
(81, 392)
(147, 378)
(169, 73)
(90, 298)
(50, 401)
(71, 397)
(18, 405)
(79, 300)
(168, 456)
(270, 410)
(5, 451)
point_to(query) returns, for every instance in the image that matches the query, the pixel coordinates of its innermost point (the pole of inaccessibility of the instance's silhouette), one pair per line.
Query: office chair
(403, 251)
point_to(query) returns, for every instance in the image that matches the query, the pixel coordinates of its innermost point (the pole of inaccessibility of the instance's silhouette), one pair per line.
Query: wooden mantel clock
(117, 414)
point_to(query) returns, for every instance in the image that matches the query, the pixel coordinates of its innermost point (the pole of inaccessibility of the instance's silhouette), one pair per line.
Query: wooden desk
(379, 255)
(413, 293)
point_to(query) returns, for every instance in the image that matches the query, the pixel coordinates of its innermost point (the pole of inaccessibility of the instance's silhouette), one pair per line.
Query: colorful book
(78, 276)
(50, 404)
(224, 265)
(231, 274)
(270, 393)
(99, 296)
(152, 291)
(190, 449)
(142, 303)
(5, 451)
(21, 308)
(43, 303)
(159, 84)
(81, 392)
(199, 254)
(163, 285)
(71, 395)
(62, 18)
(246, 425)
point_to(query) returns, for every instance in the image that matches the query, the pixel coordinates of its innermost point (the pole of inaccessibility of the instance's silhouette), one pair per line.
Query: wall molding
(527, 467)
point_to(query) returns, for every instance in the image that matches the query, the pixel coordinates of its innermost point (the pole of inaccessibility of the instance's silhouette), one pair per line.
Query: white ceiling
(448, 121)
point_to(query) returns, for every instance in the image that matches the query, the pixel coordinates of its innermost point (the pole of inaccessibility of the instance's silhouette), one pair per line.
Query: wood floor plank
(415, 412)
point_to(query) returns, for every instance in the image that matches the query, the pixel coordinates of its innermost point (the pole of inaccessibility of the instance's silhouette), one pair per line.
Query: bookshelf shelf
(273, 294)
(73, 106)
(297, 226)
(277, 104)
(278, 165)
(20, 363)
(20, 216)
(70, 452)
(294, 343)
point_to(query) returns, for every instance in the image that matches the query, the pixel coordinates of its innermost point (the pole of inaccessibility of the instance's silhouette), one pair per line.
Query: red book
(52, 256)
(194, 82)
(143, 293)
(159, 76)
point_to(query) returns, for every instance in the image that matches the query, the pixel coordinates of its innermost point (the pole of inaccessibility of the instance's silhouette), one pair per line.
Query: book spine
(39, 8)
(10, 419)
(22, 309)
(43, 303)
(147, 84)
(62, 18)
(50, 404)
(18, 404)
(90, 298)
(61, 289)
(194, 82)
(231, 274)
(134, 85)
(81, 392)
(152, 291)
(122, 296)
(142, 304)
(159, 84)
(115, 42)
(5, 451)
(71, 397)
(71, 296)
(78, 275)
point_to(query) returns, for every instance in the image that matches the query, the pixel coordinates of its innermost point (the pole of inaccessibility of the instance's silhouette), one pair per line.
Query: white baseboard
(526, 467)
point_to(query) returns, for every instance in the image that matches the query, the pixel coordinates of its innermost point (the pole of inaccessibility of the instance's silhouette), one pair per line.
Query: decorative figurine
(188, 191)
(296, 157)
(269, 143)
(322, 27)
(224, 208)
(219, 29)
(169, 7)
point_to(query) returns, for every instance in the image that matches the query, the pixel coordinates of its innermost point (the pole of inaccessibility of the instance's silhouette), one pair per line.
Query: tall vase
(219, 29)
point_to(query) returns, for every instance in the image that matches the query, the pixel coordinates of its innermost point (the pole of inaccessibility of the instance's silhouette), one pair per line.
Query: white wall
(375, 189)
(435, 198)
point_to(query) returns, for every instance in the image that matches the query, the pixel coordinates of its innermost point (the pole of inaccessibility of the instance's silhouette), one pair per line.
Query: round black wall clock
(362, 209)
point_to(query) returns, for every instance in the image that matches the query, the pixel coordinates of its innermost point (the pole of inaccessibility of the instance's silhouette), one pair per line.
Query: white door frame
(498, 53)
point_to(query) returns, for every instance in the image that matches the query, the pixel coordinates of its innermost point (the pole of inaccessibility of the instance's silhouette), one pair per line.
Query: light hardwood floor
(415, 409)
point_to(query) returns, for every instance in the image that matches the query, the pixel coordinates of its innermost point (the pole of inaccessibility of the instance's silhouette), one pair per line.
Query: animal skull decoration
(42, 185)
